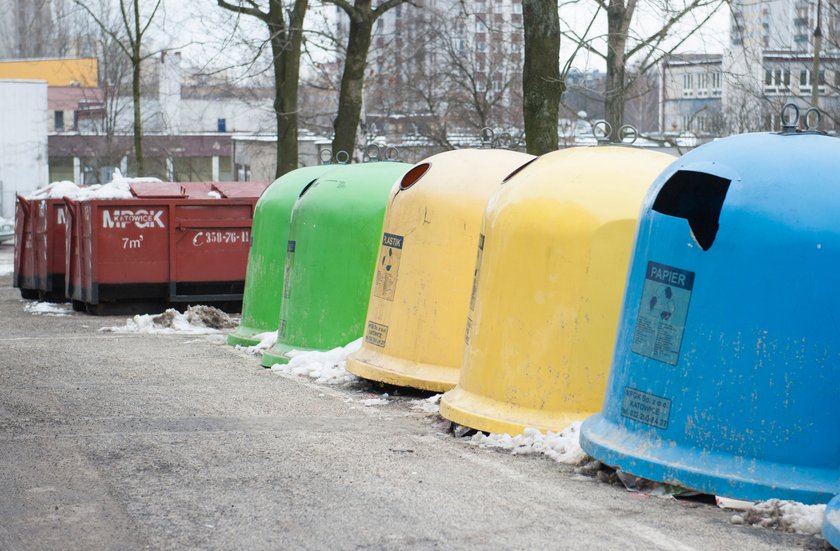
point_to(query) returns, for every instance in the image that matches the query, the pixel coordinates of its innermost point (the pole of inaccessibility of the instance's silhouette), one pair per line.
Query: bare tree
(128, 37)
(624, 45)
(362, 18)
(541, 83)
(285, 31)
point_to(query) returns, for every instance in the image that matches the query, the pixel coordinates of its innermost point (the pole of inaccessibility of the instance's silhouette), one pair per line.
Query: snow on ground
(197, 320)
(563, 446)
(428, 405)
(325, 367)
(47, 309)
(375, 401)
(267, 340)
(786, 516)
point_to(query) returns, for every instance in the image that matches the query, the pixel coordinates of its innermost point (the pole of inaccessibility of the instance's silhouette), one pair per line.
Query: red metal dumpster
(49, 228)
(24, 276)
(186, 243)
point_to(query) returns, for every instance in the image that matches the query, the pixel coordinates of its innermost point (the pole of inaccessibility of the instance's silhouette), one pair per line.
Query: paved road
(112, 441)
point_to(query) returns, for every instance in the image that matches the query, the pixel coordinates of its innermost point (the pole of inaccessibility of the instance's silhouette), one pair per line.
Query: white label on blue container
(662, 312)
(646, 408)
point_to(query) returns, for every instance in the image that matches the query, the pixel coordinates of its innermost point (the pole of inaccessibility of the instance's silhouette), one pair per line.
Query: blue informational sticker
(662, 313)
(646, 408)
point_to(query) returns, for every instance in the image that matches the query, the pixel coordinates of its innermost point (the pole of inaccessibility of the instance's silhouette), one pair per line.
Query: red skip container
(24, 276)
(172, 243)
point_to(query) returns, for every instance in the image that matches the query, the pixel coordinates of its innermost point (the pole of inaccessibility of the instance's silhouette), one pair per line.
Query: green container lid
(267, 257)
(333, 242)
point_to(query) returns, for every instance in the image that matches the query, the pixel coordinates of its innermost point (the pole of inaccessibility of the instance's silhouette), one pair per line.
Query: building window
(776, 78)
(717, 81)
(221, 125)
(688, 85)
(59, 121)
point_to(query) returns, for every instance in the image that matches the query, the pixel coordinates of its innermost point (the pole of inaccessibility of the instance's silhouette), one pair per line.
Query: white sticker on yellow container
(388, 266)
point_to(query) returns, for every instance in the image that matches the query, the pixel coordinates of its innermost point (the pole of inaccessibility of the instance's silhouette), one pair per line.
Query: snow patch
(214, 194)
(428, 405)
(563, 446)
(325, 367)
(197, 320)
(786, 516)
(47, 309)
(267, 340)
(374, 402)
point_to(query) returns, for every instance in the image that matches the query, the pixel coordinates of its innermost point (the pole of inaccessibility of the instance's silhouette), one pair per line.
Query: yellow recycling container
(550, 277)
(414, 332)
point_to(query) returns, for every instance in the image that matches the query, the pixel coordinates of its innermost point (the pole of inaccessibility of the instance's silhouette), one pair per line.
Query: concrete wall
(23, 140)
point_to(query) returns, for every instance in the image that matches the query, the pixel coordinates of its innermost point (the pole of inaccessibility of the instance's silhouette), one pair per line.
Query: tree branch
(149, 22)
(253, 11)
(389, 4)
(103, 27)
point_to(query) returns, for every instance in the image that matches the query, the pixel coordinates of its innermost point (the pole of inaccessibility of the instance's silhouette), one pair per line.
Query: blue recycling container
(726, 371)
(831, 523)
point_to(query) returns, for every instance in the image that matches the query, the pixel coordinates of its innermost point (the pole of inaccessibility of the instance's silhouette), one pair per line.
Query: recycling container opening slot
(306, 187)
(697, 197)
(412, 176)
(518, 170)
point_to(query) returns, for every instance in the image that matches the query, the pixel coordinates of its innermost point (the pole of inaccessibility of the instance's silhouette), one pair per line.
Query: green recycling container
(331, 254)
(267, 258)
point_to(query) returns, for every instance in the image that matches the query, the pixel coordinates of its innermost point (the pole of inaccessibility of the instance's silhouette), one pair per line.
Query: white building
(23, 140)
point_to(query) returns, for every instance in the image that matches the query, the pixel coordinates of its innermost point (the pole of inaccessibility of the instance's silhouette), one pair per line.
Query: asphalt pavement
(125, 441)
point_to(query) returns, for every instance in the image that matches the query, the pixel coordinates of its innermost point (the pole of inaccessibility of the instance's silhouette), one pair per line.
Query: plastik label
(141, 218)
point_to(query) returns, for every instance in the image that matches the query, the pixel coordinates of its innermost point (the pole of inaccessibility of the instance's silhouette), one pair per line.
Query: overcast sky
(202, 31)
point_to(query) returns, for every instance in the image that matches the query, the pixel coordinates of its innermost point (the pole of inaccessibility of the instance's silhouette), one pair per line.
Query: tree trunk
(616, 46)
(541, 84)
(138, 121)
(285, 47)
(352, 80)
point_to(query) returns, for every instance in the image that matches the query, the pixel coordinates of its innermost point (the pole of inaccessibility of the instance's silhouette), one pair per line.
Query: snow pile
(56, 190)
(267, 340)
(429, 405)
(787, 516)
(197, 320)
(117, 188)
(47, 309)
(214, 194)
(324, 367)
(563, 446)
